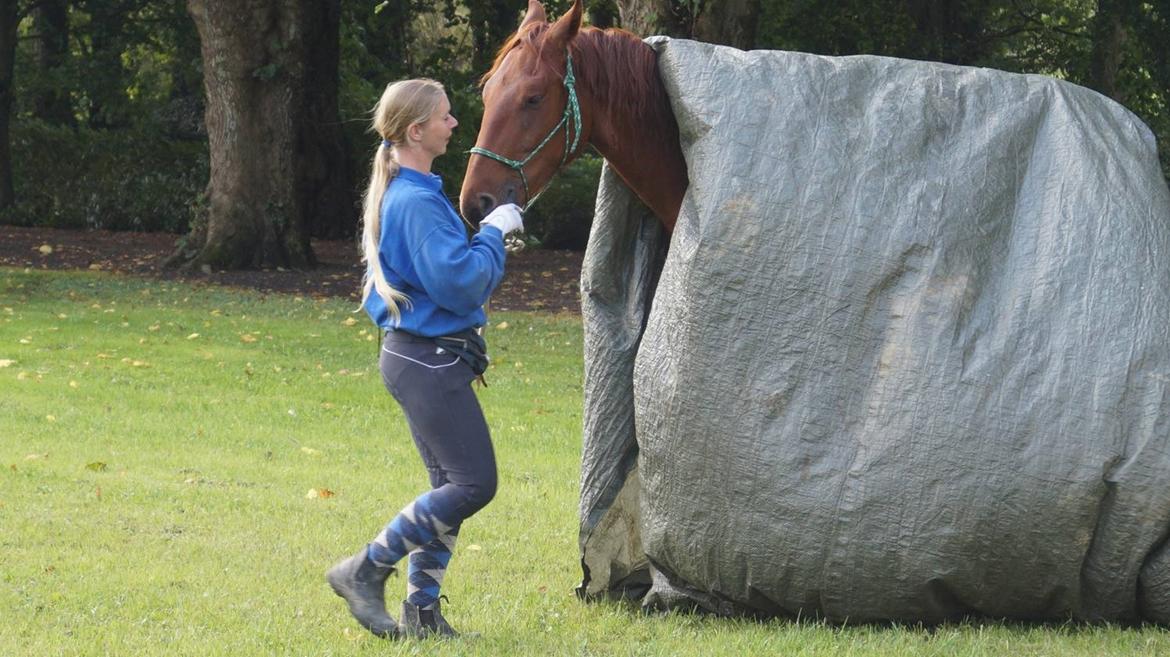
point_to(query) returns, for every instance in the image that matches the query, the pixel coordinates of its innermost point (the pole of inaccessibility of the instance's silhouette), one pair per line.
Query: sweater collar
(428, 180)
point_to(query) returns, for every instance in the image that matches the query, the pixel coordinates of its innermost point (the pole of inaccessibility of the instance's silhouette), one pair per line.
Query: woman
(426, 286)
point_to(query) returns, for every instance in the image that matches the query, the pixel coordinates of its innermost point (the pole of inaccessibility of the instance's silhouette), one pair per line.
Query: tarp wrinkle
(907, 356)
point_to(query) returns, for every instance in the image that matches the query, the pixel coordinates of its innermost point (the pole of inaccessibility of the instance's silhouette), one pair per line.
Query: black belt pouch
(469, 346)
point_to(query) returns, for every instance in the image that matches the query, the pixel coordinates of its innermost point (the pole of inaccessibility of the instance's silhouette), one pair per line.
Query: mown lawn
(179, 465)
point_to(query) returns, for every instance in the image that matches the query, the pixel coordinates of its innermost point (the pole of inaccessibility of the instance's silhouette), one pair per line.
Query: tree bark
(1109, 35)
(729, 22)
(9, 18)
(255, 55)
(602, 14)
(726, 22)
(330, 198)
(51, 22)
(105, 81)
(948, 31)
(650, 17)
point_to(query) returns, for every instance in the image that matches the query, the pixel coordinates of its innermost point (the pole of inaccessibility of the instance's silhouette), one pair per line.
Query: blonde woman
(425, 285)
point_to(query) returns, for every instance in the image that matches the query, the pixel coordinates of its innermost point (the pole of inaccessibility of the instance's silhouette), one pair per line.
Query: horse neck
(643, 147)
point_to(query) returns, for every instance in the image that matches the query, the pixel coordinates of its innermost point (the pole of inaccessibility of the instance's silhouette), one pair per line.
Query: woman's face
(436, 131)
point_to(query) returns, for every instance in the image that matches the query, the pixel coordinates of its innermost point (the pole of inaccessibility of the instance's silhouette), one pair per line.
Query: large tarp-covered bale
(908, 357)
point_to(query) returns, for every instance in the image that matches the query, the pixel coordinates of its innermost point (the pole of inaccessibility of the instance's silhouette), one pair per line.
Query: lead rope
(482, 331)
(483, 334)
(572, 111)
(512, 243)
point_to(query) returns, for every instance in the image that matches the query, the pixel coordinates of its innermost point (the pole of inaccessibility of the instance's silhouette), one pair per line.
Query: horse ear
(535, 14)
(566, 27)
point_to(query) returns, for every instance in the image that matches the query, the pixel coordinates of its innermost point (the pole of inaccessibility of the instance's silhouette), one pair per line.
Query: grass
(179, 465)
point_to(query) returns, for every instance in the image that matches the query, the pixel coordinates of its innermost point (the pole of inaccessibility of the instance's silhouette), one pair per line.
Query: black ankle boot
(362, 584)
(421, 623)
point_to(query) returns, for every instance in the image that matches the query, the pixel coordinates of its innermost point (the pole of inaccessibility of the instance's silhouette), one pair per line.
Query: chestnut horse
(553, 89)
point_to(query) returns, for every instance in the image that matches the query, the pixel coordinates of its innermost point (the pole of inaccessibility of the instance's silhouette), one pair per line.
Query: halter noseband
(572, 110)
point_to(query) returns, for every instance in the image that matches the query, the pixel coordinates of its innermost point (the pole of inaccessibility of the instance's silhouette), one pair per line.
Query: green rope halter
(572, 110)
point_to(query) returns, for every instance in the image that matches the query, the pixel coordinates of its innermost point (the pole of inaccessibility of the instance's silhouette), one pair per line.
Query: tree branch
(1035, 19)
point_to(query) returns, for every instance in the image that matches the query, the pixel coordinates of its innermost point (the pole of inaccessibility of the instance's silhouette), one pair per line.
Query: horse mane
(619, 68)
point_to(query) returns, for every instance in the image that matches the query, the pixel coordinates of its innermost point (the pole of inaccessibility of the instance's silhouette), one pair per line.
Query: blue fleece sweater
(425, 254)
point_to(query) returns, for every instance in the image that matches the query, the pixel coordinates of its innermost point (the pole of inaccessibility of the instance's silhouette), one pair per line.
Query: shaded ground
(534, 280)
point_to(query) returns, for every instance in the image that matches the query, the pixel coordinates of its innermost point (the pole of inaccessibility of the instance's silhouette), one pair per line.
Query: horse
(555, 88)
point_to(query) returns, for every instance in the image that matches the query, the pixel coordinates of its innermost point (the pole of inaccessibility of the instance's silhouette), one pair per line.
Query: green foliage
(137, 177)
(1146, 76)
(127, 60)
(266, 72)
(134, 65)
(133, 80)
(111, 179)
(561, 218)
(1049, 37)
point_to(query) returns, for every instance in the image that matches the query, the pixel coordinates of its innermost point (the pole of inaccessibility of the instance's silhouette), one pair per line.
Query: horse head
(532, 120)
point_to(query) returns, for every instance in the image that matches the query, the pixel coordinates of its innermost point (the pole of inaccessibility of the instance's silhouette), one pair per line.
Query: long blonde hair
(402, 105)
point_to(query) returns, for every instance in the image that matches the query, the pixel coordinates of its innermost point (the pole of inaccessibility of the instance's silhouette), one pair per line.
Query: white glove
(506, 218)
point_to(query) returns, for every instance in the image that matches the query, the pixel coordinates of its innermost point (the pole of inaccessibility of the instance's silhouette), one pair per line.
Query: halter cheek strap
(570, 121)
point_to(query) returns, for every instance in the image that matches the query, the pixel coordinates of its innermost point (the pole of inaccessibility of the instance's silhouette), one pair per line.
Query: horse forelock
(525, 36)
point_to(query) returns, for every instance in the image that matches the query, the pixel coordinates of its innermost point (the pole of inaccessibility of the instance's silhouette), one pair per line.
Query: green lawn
(181, 464)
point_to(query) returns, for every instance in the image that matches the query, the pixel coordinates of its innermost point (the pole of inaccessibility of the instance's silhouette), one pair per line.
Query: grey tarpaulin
(908, 354)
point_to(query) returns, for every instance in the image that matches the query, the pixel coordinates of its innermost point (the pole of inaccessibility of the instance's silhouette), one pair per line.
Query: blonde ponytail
(384, 169)
(402, 105)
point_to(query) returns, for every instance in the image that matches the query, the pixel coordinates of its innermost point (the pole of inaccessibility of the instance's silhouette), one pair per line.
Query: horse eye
(533, 100)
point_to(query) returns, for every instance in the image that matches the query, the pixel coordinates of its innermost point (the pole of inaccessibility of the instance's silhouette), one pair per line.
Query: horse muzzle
(482, 203)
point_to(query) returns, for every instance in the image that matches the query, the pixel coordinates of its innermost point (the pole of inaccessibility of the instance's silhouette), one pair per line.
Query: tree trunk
(650, 17)
(1109, 36)
(949, 31)
(8, 20)
(51, 22)
(602, 14)
(726, 22)
(729, 22)
(106, 74)
(255, 55)
(330, 198)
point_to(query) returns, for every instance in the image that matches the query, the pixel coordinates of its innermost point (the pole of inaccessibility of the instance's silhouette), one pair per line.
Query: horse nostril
(487, 203)
(510, 194)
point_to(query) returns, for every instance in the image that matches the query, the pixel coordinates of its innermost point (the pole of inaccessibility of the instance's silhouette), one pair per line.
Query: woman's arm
(456, 275)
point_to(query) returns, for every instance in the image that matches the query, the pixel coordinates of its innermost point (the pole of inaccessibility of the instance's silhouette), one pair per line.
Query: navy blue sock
(427, 566)
(413, 527)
